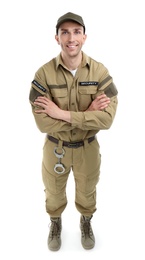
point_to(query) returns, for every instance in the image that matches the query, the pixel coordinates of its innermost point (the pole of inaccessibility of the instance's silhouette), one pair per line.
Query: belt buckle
(72, 145)
(75, 145)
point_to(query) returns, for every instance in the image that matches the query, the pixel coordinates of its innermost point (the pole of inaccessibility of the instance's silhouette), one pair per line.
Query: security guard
(73, 97)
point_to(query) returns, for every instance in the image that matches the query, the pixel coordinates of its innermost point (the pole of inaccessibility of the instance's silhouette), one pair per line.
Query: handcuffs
(59, 167)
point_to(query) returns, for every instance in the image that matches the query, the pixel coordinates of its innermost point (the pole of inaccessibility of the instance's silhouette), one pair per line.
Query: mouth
(71, 46)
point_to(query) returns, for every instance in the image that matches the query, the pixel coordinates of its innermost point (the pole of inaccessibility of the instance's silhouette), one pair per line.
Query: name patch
(89, 83)
(39, 86)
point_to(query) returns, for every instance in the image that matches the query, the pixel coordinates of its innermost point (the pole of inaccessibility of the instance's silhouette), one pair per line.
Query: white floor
(118, 224)
(115, 37)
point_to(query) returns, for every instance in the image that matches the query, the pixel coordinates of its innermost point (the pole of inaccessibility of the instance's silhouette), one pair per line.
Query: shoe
(54, 238)
(87, 236)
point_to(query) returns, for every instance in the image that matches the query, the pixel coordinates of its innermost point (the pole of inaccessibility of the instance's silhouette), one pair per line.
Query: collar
(85, 61)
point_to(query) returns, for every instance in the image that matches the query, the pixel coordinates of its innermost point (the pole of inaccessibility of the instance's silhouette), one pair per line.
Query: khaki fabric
(85, 164)
(75, 94)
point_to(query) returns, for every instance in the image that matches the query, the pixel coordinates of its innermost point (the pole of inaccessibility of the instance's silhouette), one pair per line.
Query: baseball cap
(70, 17)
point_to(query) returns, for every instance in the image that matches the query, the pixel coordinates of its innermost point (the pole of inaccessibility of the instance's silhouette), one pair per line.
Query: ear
(84, 38)
(57, 39)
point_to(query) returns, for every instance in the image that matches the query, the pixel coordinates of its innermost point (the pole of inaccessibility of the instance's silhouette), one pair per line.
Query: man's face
(71, 38)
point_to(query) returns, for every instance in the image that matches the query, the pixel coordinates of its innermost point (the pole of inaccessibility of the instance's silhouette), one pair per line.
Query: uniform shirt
(75, 94)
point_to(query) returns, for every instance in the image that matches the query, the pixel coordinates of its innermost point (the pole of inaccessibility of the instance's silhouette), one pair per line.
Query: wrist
(65, 116)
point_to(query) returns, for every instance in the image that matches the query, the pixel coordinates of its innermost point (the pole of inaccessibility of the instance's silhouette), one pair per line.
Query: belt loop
(86, 143)
(60, 144)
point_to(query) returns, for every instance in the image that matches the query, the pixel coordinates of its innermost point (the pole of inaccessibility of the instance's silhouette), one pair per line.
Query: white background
(115, 32)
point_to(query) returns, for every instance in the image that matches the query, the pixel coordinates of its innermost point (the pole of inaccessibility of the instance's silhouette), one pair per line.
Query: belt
(70, 144)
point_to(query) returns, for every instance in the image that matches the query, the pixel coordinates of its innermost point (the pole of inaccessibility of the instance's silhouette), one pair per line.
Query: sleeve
(95, 120)
(44, 123)
(99, 120)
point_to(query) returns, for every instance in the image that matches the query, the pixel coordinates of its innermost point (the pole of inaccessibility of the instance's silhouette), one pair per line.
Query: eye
(77, 32)
(65, 32)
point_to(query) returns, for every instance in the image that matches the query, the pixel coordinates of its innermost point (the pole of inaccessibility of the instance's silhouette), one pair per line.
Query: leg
(55, 184)
(86, 173)
(55, 190)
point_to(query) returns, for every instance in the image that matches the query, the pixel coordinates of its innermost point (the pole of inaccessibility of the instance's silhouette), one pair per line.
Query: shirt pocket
(60, 96)
(86, 96)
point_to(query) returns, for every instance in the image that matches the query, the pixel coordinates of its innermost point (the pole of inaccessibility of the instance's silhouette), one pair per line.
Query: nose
(71, 36)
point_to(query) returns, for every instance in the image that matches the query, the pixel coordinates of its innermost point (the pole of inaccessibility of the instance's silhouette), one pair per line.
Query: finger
(41, 103)
(42, 99)
(105, 100)
(103, 106)
(104, 103)
(39, 111)
(101, 96)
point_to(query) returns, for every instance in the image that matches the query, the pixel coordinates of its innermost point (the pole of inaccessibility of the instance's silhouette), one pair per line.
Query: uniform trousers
(84, 162)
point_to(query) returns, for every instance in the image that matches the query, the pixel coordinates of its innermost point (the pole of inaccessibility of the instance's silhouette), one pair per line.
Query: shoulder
(92, 62)
(48, 66)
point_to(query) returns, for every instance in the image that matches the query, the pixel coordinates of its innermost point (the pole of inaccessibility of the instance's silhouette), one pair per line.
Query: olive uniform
(78, 139)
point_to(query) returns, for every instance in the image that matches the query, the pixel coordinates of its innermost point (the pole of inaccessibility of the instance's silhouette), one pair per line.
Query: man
(73, 97)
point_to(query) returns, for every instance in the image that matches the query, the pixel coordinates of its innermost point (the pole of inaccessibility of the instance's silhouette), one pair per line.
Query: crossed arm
(52, 110)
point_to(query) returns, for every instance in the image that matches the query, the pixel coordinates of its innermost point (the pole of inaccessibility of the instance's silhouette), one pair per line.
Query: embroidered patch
(34, 94)
(39, 86)
(88, 83)
(111, 90)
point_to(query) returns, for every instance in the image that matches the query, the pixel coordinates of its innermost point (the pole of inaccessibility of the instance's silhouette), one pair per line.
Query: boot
(54, 238)
(87, 236)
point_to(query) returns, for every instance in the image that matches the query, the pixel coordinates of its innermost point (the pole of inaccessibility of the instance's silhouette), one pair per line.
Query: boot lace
(55, 228)
(86, 227)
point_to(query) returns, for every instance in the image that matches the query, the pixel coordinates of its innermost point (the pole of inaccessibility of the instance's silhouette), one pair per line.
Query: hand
(51, 109)
(99, 103)
(48, 107)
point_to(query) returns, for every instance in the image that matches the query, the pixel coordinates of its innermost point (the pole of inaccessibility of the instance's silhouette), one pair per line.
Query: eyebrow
(79, 28)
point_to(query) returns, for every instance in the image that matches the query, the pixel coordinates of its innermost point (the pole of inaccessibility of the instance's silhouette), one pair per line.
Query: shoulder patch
(111, 90)
(39, 86)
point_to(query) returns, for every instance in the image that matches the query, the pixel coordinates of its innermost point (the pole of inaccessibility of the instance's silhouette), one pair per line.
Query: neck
(72, 63)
